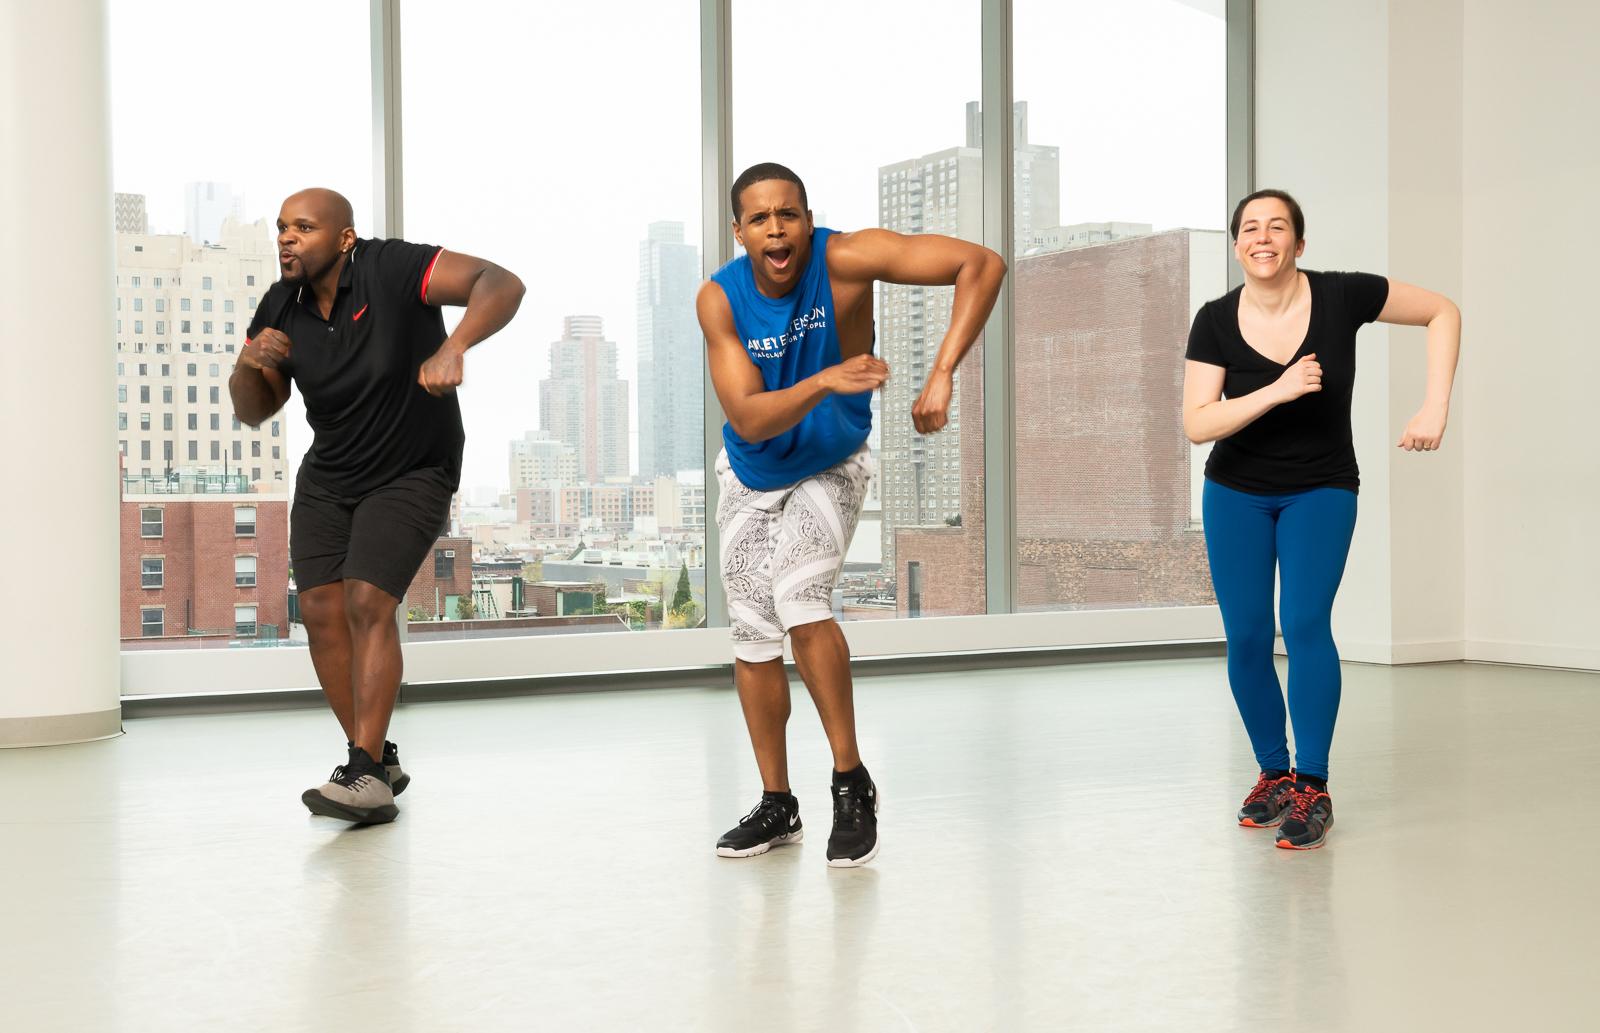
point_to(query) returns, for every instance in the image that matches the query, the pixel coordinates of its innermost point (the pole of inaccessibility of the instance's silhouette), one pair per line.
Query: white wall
(1531, 150)
(1454, 145)
(1322, 134)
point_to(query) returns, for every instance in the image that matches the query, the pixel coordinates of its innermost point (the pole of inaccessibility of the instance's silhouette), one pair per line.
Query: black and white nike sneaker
(854, 841)
(774, 822)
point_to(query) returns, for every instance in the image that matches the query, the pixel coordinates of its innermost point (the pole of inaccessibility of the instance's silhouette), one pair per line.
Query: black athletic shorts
(381, 537)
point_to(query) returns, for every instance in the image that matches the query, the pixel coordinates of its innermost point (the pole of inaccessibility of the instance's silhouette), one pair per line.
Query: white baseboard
(1535, 654)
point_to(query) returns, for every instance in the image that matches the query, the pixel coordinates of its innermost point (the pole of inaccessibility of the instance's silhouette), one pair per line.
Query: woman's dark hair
(1295, 213)
(760, 173)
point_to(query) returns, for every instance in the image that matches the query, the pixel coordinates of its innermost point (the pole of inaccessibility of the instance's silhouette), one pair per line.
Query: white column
(59, 645)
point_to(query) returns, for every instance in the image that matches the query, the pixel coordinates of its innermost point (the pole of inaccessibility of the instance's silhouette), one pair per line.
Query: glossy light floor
(1058, 853)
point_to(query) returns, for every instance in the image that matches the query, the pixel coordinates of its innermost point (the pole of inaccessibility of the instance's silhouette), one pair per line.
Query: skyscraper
(671, 397)
(583, 403)
(205, 206)
(182, 311)
(130, 213)
(942, 193)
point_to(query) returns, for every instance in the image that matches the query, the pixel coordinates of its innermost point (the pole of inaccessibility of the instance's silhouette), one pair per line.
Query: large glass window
(585, 453)
(195, 207)
(1120, 201)
(874, 153)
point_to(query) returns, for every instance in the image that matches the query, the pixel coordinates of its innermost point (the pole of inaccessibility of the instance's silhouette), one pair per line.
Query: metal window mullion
(716, 247)
(1241, 129)
(999, 424)
(387, 215)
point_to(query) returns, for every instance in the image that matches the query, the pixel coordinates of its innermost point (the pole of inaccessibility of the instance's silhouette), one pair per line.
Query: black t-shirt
(357, 369)
(1306, 443)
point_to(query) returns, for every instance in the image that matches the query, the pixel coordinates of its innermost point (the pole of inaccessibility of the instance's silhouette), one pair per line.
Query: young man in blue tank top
(789, 331)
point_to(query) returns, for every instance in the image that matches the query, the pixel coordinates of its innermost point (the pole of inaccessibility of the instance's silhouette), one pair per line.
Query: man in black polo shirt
(356, 325)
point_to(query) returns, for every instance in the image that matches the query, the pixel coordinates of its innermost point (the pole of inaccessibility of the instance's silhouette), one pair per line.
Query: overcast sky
(547, 136)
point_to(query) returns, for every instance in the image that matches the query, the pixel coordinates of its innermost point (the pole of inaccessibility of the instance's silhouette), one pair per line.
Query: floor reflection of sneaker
(775, 821)
(357, 791)
(1264, 807)
(854, 841)
(1309, 819)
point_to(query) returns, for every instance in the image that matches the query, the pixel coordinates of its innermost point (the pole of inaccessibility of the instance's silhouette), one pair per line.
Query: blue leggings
(1306, 536)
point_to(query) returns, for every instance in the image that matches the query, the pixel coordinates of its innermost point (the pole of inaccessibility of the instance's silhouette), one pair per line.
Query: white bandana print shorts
(782, 550)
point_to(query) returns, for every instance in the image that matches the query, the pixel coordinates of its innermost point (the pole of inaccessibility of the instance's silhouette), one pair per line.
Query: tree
(684, 596)
(685, 616)
(466, 608)
(416, 614)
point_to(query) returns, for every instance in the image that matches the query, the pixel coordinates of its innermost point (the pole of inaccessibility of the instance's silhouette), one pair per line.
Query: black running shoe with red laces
(1266, 803)
(1310, 817)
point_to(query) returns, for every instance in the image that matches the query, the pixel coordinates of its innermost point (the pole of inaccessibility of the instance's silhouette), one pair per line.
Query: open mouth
(778, 258)
(285, 258)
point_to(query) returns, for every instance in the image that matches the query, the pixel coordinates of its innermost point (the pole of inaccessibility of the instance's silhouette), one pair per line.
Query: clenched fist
(1302, 378)
(267, 350)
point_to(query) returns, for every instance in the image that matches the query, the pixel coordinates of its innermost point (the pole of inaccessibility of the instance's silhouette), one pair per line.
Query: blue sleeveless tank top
(789, 339)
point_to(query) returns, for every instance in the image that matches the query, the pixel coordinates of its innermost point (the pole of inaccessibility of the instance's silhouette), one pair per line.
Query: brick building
(203, 556)
(444, 577)
(1105, 514)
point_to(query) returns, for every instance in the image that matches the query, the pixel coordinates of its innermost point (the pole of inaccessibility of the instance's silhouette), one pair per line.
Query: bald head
(328, 206)
(316, 229)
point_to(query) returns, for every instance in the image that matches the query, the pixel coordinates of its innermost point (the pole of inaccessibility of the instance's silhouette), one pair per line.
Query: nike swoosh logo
(358, 314)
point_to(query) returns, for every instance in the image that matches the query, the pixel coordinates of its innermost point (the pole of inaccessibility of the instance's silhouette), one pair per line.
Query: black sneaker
(398, 779)
(357, 791)
(855, 824)
(774, 822)
(1265, 805)
(1309, 819)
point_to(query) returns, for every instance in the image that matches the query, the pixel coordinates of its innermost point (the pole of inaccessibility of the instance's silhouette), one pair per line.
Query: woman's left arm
(1415, 306)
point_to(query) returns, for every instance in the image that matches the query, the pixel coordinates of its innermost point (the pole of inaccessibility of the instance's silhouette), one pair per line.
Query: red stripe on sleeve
(429, 274)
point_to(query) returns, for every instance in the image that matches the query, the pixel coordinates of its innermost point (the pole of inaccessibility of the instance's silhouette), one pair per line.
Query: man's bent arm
(256, 393)
(927, 260)
(755, 413)
(491, 295)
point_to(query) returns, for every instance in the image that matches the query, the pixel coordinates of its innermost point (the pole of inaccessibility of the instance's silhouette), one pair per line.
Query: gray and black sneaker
(854, 841)
(1310, 817)
(1265, 805)
(398, 779)
(774, 822)
(357, 791)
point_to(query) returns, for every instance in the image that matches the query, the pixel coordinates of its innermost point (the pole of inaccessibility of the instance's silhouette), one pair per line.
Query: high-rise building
(130, 213)
(671, 394)
(181, 314)
(942, 192)
(583, 403)
(538, 460)
(205, 207)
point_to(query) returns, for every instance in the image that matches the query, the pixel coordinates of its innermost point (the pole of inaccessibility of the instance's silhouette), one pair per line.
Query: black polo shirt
(357, 369)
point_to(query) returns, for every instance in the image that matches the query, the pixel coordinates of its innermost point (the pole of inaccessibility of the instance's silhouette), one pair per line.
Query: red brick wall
(198, 547)
(1102, 463)
(427, 592)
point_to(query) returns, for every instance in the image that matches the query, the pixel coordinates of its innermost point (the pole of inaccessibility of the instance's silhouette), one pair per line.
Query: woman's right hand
(1302, 378)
